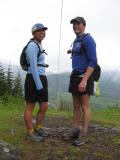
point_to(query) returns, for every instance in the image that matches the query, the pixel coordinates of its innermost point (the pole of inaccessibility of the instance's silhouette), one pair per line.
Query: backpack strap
(83, 49)
(97, 70)
(82, 45)
(38, 55)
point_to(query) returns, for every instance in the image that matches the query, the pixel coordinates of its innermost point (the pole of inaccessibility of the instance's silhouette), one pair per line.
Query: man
(36, 86)
(81, 82)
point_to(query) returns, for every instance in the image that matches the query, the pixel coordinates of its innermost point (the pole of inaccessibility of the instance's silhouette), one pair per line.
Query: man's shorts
(31, 93)
(74, 83)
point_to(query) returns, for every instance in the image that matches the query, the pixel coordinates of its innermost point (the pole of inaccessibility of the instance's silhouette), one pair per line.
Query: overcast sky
(103, 23)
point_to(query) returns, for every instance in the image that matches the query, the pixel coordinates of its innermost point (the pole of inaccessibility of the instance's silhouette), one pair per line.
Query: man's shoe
(71, 134)
(41, 132)
(34, 137)
(80, 142)
(83, 138)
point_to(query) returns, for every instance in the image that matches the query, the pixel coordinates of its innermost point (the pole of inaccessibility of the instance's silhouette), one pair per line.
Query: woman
(81, 82)
(36, 86)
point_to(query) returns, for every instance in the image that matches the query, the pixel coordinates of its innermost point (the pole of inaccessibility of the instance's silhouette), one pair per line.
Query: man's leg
(76, 111)
(74, 132)
(85, 106)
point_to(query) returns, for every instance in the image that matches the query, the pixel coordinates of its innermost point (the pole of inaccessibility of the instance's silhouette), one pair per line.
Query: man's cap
(38, 26)
(79, 20)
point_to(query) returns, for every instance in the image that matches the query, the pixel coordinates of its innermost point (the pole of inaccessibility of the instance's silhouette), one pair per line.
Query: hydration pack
(23, 61)
(97, 70)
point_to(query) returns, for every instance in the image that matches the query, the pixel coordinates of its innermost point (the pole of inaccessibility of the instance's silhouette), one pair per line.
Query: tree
(2, 81)
(17, 86)
(9, 80)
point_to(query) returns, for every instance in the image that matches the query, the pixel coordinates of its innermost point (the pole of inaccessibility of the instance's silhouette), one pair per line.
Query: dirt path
(103, 144)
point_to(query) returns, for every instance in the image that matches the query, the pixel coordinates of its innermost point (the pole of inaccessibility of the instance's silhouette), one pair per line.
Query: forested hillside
(58, 83)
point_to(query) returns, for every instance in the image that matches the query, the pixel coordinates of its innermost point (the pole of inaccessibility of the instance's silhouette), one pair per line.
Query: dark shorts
(74, 82)
(31, 94)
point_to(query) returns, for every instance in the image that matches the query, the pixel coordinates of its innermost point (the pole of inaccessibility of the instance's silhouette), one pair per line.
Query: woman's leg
(28, 115)
(41, 113)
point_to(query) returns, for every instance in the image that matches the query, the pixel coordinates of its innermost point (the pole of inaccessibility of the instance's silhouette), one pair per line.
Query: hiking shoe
(34, 137)
(80, 141)
(71, 134)
(41, 132)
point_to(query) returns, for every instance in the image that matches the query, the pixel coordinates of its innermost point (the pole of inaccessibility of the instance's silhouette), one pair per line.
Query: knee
(44, 108)
(76, 106)
(29, 108)
(85, 109)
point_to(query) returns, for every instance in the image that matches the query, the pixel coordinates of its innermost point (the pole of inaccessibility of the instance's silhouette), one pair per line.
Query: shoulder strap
(32, 40)
(82, 45)
(80, 40)
(84, 35)
(38, 55)
(38, 48)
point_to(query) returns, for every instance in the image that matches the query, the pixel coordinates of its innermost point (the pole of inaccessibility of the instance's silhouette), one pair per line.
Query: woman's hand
(82, 86)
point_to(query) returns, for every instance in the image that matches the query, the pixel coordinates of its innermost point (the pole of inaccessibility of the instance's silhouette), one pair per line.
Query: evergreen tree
(2, 81)
(18, 87)
(9, 80)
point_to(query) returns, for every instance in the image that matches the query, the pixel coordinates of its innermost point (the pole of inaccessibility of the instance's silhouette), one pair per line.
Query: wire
(59, 51)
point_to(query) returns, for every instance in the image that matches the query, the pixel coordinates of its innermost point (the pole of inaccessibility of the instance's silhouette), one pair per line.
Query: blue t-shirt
(81, 59)
(31, 56)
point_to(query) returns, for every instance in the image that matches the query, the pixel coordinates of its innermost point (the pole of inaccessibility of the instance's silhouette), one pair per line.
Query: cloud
(17, 18)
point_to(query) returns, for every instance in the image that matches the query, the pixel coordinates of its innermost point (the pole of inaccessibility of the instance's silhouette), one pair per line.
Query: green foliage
(10, 100)
(9, 85)
(64, 106)
(109, 116)
(56, 112)
(116, 140)
(3, 86)
(9, 80)
(18, 88)
(74, 150)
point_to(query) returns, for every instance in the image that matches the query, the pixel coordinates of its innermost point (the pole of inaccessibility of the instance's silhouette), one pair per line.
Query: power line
(59, 50)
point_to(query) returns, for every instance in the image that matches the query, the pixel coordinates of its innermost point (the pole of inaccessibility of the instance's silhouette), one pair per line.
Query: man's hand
(82, 86)
(69, 51)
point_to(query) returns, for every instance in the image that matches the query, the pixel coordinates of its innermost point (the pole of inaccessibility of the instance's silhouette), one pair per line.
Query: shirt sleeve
(90, 47)
(32, 51)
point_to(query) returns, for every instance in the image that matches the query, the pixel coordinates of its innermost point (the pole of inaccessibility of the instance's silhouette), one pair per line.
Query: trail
(103, 143)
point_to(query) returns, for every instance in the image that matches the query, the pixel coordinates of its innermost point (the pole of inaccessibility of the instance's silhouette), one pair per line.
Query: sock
(30, 130)
(37, 127)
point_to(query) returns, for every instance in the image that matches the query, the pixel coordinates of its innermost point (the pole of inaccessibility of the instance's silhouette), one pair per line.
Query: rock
(13, 131)
(7, 151)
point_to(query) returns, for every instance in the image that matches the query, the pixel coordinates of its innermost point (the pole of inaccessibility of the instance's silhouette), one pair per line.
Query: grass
(11, 119)
(116, 140)
(55, 112)
(107, 117)
(10, 112)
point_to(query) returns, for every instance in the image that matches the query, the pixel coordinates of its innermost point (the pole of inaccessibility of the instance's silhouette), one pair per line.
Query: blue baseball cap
(37, 27)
